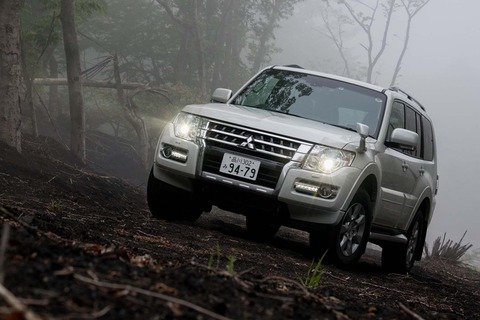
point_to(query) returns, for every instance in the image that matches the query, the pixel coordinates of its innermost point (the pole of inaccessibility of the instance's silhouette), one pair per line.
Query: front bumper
(227, 192)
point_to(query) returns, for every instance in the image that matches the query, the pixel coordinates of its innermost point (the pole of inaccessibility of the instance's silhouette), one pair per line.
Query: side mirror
(221, 95)
(362, 130)
(404, 139)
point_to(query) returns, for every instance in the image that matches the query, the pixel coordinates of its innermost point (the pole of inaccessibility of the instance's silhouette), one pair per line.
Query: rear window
(428, 143)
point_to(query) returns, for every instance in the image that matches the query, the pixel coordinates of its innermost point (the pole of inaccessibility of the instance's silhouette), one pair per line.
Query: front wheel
(167, 202)
(399, 258)
(350, 237)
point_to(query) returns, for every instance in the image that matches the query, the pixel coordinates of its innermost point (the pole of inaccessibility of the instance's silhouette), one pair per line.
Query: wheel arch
(370, 185)
(424, 208)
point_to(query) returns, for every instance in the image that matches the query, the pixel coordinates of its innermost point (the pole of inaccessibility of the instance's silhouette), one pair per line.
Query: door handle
(405, 166)
(421, 171)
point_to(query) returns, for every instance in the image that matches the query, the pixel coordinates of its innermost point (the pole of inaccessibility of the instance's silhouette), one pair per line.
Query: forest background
(141, 61)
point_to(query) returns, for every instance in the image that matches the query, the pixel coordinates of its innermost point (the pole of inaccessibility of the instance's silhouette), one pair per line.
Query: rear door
(414, 164)
(396, 176)
(423, 167)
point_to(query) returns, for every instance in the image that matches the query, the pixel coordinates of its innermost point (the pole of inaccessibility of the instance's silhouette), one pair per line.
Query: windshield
(317, 98)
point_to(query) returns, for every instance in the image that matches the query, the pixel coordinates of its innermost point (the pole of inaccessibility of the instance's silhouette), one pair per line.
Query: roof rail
(293, 66)
(397, 89)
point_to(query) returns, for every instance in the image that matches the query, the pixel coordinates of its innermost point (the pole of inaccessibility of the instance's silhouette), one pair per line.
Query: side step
(381, 237)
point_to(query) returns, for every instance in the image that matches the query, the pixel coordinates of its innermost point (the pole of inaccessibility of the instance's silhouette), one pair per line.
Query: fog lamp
(173, 153)
(327, 191)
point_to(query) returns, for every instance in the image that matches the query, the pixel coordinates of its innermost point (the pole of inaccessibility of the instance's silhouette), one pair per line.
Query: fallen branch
(7, 213)
(139, 87)
(87, 83)
(150, 294)
(381, 287)
(94, 315)
(16, 304)
(460, 278)
(409, 312)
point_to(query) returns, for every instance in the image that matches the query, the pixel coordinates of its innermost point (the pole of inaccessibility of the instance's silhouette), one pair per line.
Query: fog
(441, 70)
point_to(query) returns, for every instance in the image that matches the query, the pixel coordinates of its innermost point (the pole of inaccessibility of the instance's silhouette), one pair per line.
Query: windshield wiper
(340, 126)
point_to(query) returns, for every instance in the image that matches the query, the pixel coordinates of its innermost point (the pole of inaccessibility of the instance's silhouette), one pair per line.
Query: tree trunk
(28, 97)
(197, 39)
(181, 60)
(72, 54)
(53, 95)
(10, 73)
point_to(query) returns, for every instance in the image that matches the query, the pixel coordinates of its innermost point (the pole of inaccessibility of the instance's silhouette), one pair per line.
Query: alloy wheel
(353, 229)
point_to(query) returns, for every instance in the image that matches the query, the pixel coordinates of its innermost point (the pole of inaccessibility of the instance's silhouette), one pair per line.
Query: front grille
(260, 142)
(273, 151)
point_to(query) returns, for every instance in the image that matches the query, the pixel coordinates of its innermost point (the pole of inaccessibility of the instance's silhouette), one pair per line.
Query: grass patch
(216, 257)
(314, 274)
(54, 205)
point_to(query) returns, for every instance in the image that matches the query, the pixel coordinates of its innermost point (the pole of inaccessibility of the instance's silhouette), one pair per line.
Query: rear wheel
(350, 237)
(261, 228)
(167, 202)
(399, 258)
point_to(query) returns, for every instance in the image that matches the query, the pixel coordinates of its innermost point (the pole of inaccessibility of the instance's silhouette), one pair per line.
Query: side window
(411, 124)
(397, 119)
(420, 136)
(410, 120)
(428, 143)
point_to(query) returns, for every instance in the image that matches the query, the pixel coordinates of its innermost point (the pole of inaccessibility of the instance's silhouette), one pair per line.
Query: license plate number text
(240, 166)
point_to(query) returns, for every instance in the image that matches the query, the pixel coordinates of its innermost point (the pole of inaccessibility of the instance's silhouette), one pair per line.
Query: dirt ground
(82, 245)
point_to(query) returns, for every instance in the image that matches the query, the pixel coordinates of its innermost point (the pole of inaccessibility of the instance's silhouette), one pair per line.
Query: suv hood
(277, 123)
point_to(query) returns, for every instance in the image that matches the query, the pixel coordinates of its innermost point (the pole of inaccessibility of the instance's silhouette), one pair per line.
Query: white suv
(345, 160)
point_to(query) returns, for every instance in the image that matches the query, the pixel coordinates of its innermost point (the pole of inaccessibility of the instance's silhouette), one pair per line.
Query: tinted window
(420, 135)
(411, 124)
(428, 143)
(397, 119)
(410, 120)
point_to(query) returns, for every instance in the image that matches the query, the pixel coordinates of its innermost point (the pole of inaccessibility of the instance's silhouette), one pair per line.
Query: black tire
(261, 228)
(167, 202)
(399, 258)
(349, 239)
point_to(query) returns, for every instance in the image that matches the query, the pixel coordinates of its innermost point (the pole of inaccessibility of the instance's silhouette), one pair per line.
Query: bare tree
(72, 54)
(412, 7)
(336, 34)
(10, 73)
(367, 16)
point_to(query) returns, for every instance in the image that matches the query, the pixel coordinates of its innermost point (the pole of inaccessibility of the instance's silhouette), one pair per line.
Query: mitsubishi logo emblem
(248, 143)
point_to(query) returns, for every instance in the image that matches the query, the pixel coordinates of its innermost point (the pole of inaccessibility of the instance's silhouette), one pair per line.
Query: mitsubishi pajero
(347, 161)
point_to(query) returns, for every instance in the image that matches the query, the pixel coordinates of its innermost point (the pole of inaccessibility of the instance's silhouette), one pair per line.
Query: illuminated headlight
(186, 126)
(327, 160)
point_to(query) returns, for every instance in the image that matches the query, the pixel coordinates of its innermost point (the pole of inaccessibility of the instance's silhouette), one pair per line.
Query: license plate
(240, 166)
